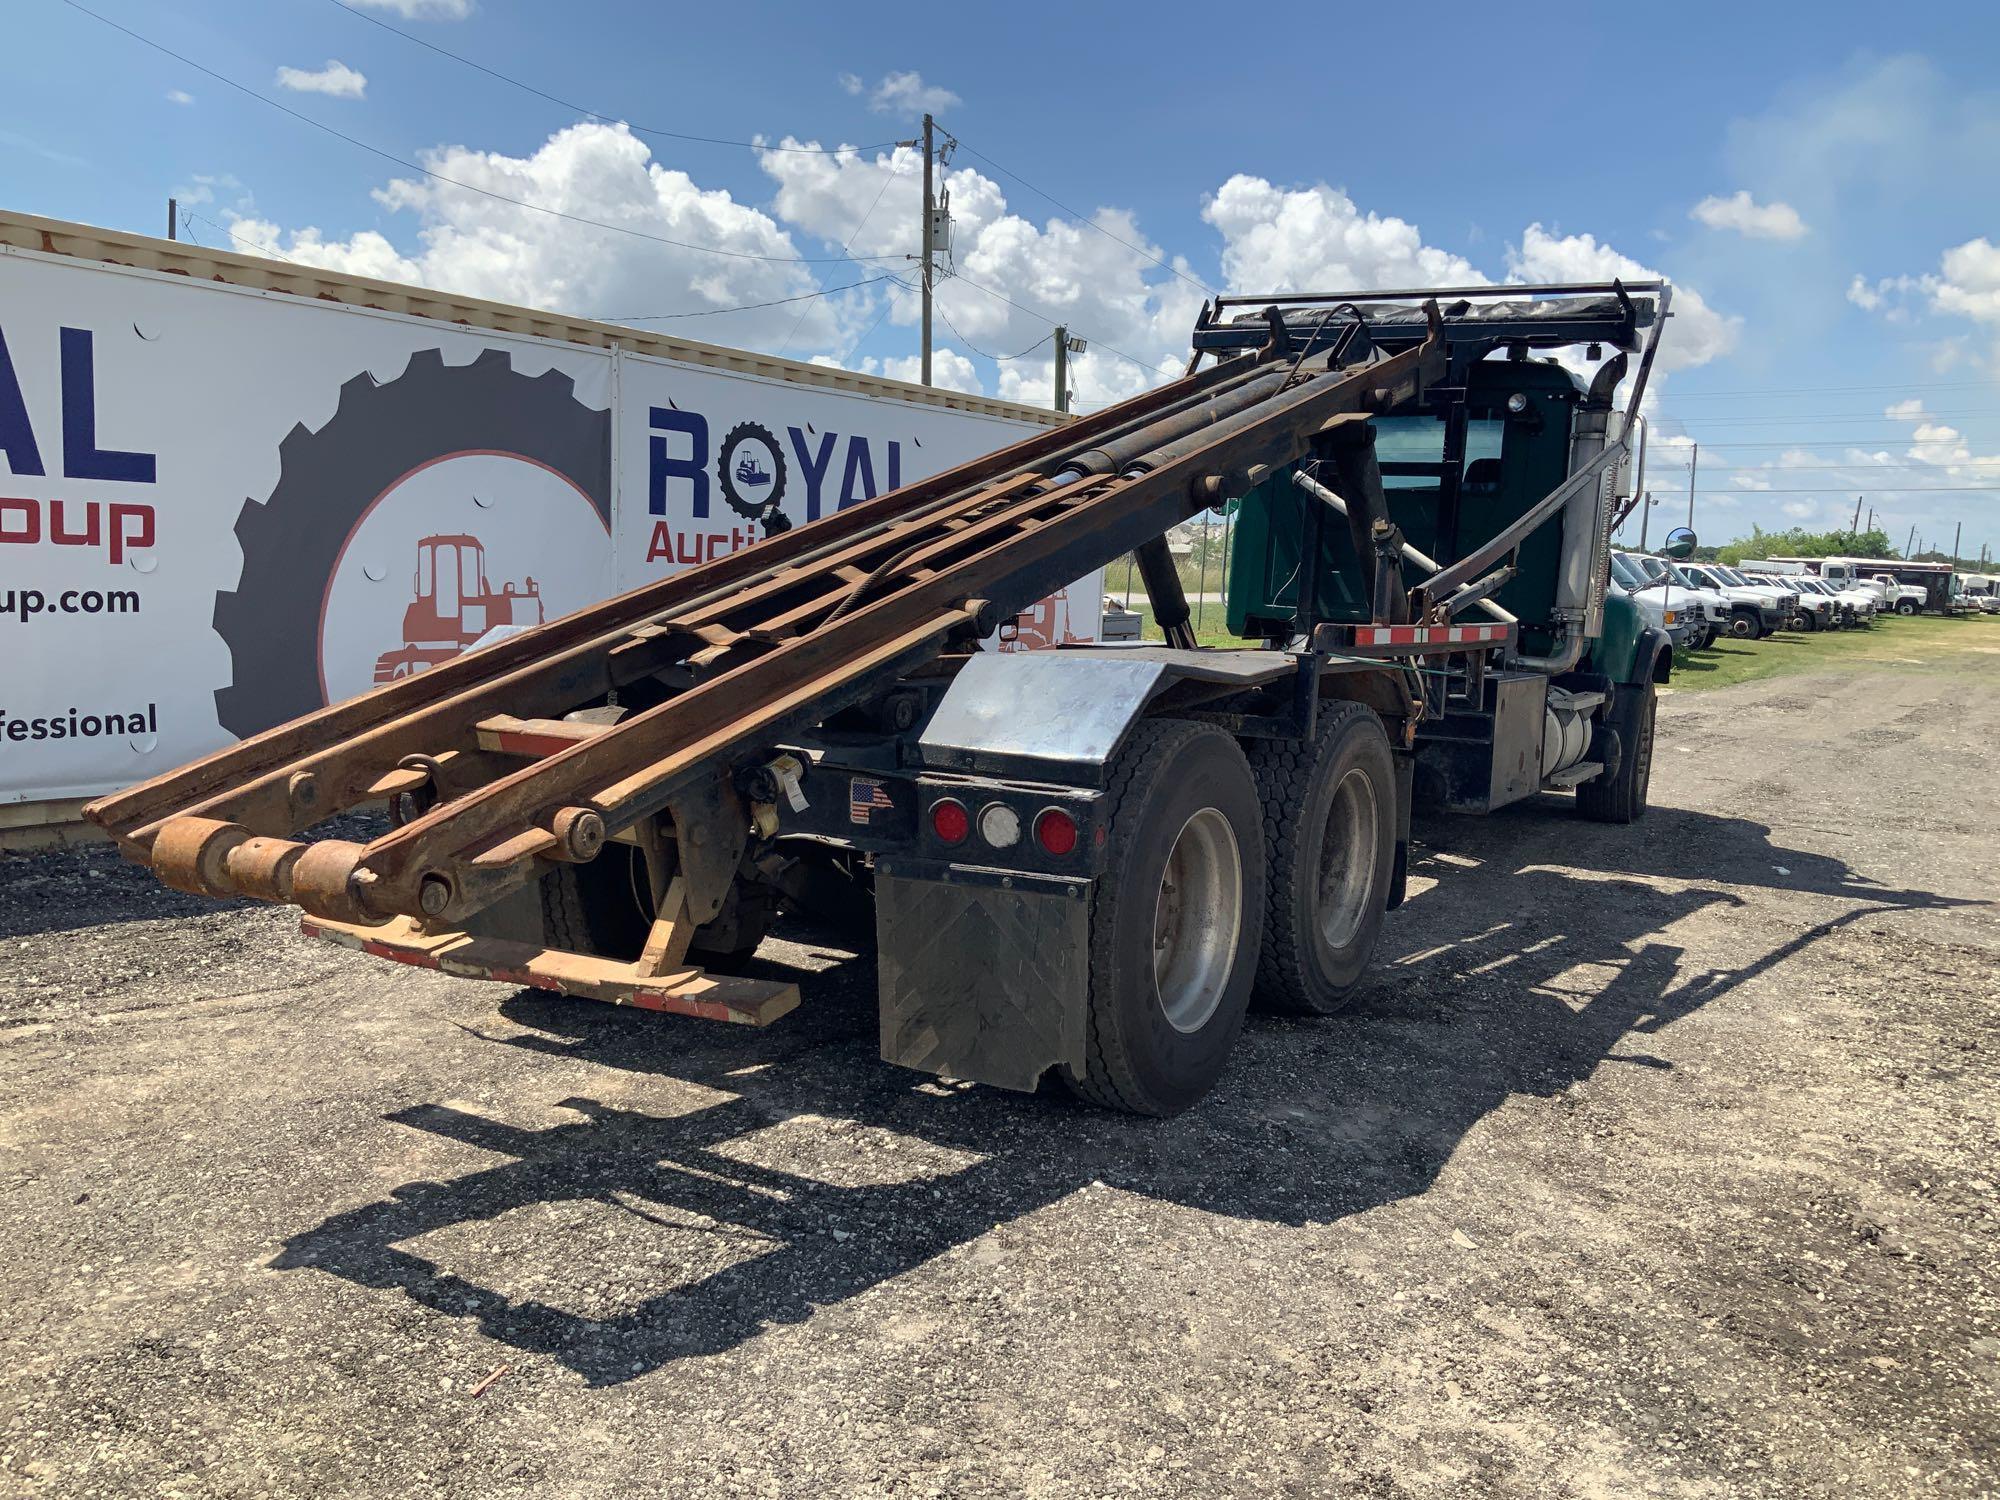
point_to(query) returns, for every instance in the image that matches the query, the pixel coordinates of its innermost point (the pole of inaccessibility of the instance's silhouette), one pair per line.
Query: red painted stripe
(514, 742)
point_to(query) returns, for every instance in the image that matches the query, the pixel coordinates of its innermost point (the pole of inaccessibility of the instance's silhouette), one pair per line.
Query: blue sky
(1856, 278)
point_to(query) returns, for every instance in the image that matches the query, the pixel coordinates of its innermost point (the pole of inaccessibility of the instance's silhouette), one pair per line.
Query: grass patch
(1913, 643)
(1900, 643)
(1211, 626)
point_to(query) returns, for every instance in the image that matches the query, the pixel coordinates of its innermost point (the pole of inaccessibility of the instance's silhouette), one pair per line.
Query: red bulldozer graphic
(454, 606)
(1043, 625)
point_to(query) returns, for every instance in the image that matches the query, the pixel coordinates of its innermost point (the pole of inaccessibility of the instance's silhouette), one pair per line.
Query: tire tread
(1107, 1079)
(1284, 770)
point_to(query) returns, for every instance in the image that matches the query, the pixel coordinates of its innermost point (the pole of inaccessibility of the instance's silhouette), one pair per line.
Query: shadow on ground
(1481, 991)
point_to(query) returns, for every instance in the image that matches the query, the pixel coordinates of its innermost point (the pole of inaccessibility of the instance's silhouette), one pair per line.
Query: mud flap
(1399, 874)
(979, 980)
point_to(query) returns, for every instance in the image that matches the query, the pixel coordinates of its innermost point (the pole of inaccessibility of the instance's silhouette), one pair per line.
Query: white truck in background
(1705, 612)
(1755, 610)
(1879, 575)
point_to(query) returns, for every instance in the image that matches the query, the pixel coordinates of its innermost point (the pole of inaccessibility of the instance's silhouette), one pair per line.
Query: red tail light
(950, 821)
(1055, 831)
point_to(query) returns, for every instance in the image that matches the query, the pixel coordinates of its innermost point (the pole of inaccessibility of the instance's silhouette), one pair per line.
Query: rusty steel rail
(746, 650)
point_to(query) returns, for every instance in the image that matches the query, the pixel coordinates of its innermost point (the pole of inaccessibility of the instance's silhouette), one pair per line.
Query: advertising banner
(222, 507)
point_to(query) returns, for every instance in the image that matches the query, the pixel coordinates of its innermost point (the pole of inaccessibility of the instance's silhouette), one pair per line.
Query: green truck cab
(1570, 706)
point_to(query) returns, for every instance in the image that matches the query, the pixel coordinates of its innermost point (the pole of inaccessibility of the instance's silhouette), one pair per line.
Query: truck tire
(1807, 621)
(1330, 850)
(1621, 796)
(1744, 625)
(1906, 606)
(1173, 926)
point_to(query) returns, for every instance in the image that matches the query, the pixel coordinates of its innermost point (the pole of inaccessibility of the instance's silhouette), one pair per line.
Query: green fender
(1629, 650)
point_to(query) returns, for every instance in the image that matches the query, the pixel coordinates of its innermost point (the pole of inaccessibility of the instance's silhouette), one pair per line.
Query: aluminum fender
(1063, 714)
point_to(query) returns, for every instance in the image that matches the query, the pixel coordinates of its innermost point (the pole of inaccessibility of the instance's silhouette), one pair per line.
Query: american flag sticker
(866, 797)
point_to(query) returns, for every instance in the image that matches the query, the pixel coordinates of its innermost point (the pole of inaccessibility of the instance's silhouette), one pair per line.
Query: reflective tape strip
(1428, 635)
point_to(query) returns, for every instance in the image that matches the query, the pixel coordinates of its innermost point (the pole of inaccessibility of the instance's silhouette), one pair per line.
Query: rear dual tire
(1230, 872)
(1330, 846)
(1174, 925)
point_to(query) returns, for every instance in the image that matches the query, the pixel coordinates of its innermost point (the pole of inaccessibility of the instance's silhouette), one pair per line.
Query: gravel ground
(1656, 1165)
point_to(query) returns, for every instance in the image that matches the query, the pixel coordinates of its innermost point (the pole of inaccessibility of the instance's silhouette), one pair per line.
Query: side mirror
(1680, 543)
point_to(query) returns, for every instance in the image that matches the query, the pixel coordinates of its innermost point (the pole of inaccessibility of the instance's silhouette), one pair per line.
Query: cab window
(1420, 440)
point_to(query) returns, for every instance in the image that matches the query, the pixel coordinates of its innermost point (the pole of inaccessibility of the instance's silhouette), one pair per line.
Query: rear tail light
(950, 821)
(1055, 831)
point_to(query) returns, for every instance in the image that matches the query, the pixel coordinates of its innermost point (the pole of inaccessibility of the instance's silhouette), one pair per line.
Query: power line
(410, 166)
(677, 135)
(709, 312)
(1892, 440)
(998, 359)
(253, 246)
(1084, 219)
(1829, 416)
(1933, 468)
(846, 245)
(1823, 489)
(1151, 369)
(888, 303)
(1821, 390)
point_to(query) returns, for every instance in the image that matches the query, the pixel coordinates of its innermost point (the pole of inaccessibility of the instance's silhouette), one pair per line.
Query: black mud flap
(1399, 873)
(980, 980)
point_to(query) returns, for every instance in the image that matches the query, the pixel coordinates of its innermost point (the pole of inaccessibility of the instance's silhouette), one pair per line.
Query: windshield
(1652, 567)
(1702, 578)
(1625, 573)
(1730, 575)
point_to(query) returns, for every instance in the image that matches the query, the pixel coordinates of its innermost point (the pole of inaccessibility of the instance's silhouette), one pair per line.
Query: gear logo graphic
(381, 433)
(751, 471)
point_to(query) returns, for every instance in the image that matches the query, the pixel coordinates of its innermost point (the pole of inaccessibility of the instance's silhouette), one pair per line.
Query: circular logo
(751, 471)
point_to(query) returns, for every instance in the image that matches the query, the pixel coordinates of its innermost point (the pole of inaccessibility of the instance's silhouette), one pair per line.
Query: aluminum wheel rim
(1347, 860)
(1197, 920)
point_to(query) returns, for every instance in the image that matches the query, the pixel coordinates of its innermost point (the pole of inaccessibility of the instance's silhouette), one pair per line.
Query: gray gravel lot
(1655, 1165)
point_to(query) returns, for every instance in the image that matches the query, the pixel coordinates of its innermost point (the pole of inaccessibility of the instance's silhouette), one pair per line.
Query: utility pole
(1855, 529)
(1694, 457)
(1957, 533)
(930, 128)
(1645, 515)
(1065, 347)
(1871, 518)
(1910, 544)
(173, 218)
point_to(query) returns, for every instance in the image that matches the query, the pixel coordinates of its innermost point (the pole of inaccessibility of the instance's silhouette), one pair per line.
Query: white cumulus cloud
(1315, 239)
(179, 96)
(1969, 283)
(422, 10)
(483, 247)
(1966, 284)
(335, 80)
(902, 94)
(1004, 264)
(1746, 216)
(1696, 334)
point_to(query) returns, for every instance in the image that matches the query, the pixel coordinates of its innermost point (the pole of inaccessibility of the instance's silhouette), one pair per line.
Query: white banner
(221, 508)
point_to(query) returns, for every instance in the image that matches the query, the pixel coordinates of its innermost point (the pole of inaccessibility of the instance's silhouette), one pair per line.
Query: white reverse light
(999, 825)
